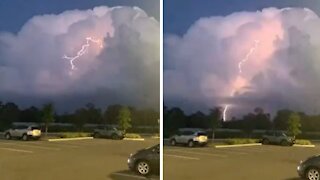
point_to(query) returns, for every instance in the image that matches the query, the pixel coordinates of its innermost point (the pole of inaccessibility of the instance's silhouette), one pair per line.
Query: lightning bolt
(240, 64)
(82, 51)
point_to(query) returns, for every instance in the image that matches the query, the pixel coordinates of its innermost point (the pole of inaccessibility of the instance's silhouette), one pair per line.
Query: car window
(201, 134)
(187, 133)
(34, 128)
(279, 133)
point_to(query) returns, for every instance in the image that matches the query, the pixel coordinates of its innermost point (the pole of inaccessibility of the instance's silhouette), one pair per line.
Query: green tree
(124, 119)
(294, 124)
(47, 115)
(111, 113)
(281, 119)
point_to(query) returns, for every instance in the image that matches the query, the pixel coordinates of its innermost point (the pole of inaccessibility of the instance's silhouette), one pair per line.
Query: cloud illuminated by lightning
(82, 51)
(244, 60)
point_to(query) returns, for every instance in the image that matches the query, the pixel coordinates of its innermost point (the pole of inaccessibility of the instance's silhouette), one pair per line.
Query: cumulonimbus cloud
(125, 70)
(201, 67)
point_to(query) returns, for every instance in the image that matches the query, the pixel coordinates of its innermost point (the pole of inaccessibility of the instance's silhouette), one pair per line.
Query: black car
(145, 161)
(310, 168)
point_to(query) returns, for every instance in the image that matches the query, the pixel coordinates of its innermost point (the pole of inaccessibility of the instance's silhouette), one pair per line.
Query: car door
(186, 136)
(155, 158)
(16, 131)
(179, 137)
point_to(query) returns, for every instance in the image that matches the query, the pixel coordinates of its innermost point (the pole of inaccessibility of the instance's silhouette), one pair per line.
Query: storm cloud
(125, 70)
(283, 71)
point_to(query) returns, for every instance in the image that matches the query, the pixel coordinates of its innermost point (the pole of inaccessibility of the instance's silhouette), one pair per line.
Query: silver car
(190, 137)
(108, 132)
(23, 132)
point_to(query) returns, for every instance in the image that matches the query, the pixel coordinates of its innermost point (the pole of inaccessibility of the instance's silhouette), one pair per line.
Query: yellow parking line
(182, 157)
(31, 146)
(16, 150)
(199, 153)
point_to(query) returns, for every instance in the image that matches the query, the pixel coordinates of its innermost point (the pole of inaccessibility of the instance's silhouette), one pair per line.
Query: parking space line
(222, 151)
(54, 144)
(200, 153)
(31, 146)
(16, 150)
(182, 157)
(132, 176)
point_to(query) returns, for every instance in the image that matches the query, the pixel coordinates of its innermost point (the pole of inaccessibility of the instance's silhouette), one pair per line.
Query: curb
(133, 139)
(298, 145)
(237, 145)
(70, 139)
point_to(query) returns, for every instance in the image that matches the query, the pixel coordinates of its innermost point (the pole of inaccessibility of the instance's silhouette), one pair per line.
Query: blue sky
(14, 13)
(179, 15)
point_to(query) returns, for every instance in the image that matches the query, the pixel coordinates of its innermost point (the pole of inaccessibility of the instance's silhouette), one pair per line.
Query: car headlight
(29, 132)
(196, 139)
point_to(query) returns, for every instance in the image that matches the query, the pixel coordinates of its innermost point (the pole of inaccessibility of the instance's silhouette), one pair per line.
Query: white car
(190, 137)
(23, 132)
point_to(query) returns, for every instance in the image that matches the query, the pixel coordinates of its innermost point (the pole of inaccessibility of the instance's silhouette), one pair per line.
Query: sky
(242, 54)
(79, 52)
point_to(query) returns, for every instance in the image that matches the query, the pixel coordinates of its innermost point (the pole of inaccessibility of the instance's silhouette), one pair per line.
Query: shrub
(74, 134)
(303, 142)
(241, 141)
(132, 135)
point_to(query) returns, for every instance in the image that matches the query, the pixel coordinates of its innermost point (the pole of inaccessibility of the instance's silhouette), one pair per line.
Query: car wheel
(313, 174)
(173, 142)
(284, 143)
(7, 136)
(114, 136)
(143, 168)
(265, 141)
(24, 137)
(190, 143)
(96, 135)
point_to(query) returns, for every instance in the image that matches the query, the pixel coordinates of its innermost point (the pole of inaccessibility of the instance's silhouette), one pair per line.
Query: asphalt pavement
(96, 159)
(269, 162)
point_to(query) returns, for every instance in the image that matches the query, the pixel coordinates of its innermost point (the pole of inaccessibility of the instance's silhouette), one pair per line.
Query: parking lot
(254, 162)
(77, 160)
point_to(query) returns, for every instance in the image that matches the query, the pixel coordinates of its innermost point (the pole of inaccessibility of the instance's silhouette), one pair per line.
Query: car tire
(114, 136)
(190, 143)
(173, 142)
(312, 173)
(96, 135)
(25, 137)
(143, 167)
(7, 136)
(265, 141)
(284, 143)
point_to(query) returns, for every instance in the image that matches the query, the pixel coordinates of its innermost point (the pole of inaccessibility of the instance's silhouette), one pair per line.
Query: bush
(241, 141)
(132, 135)
(74, 134)
(156, 135)
(303, 142)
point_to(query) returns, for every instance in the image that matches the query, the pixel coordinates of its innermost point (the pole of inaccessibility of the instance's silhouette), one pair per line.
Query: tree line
(89, 114)
(284, 119)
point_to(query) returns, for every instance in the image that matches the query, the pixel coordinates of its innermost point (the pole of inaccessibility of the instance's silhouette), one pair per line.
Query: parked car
(145, 161)
(190, 137)
(277, 137)
(108, 132)
(23, 132)
(310, 168)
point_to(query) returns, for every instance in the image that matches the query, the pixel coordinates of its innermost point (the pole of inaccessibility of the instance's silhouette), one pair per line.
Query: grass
(234, 141)
(74, 134)
(132, 135)
(156, 135)
(303, 142)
